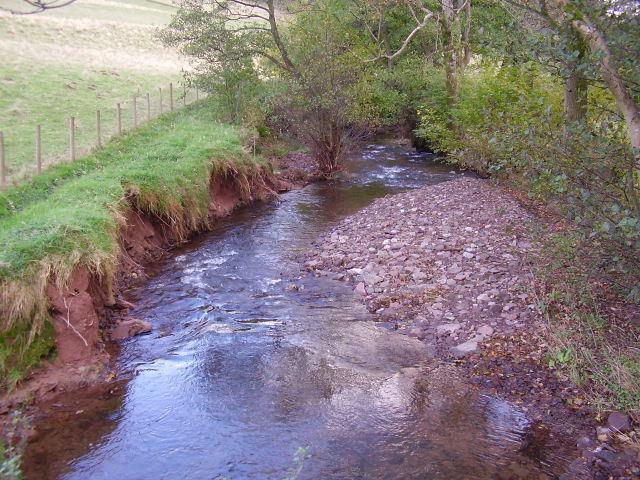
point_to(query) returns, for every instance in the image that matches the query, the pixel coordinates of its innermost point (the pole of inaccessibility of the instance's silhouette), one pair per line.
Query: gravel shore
(445, 262)
(451, 265)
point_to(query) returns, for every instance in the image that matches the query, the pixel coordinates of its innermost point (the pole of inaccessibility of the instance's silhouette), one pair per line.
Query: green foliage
(224, 48)
(509, 122)
(18, 355)
(561, 357)
(302, 454)
(390, 96)
(12, 445)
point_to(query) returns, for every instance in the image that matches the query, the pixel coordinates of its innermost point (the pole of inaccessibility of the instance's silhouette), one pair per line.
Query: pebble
(485, 331)
(465, 348)
(360, 288)
(585, 443)
(603, 433)
(448, 328)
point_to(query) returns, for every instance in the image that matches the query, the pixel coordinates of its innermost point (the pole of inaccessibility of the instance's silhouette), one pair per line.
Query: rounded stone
(619, 422)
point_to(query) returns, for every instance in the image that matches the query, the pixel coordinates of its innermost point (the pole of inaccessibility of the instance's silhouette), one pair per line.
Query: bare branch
(406, 42)
(38, 6)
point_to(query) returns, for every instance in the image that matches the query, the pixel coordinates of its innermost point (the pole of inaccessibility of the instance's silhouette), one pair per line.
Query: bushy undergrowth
(590, 336)
(509, 124)
(71, 215)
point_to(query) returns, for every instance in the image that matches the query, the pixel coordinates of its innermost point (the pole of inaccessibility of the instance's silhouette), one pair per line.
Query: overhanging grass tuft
(71, 215)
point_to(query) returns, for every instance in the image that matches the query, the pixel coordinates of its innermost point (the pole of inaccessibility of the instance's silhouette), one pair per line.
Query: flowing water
(256, 371)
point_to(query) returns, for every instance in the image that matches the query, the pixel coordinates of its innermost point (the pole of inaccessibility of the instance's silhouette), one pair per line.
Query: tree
(589, 31)
(447, 15)
(580, 23)
(216, 32)
(236, 38)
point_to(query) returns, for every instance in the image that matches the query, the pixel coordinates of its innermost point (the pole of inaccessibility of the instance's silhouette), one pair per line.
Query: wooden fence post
(119, 119)
(160, 92)
(171, 97)
(135, 112)
(3, 165)
(72, 139)
(98, 130)
(148, 107)
(39, 149)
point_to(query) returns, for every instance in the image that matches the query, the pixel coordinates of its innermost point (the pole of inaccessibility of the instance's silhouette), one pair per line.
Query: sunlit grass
(73, 61)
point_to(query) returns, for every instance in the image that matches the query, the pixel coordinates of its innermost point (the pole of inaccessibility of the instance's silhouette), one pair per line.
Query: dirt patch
(297, 168)
(225, 196)
(75, 317)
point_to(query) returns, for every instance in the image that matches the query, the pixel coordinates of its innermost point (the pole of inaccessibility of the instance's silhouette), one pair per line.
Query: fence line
(82, 138)
(3, 165)
(39, 148)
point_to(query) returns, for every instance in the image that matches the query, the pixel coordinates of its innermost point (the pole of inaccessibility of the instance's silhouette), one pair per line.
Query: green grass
(72, 62)
(48, 96)
(70, 216)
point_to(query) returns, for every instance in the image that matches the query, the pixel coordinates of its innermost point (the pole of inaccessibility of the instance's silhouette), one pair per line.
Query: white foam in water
(193, 276)
(393, 170)
(216, 261)
(218, 328)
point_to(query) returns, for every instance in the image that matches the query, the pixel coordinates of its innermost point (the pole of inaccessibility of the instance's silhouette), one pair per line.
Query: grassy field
(69, 215)
(73, 61)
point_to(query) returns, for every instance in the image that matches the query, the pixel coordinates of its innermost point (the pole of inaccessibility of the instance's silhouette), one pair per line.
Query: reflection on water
(250, 360)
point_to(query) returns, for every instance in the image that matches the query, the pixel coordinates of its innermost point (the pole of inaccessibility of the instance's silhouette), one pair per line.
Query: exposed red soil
(75, 316)
(88, 312)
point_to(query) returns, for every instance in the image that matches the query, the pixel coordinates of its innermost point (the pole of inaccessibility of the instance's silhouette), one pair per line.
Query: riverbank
(453, 265)
(73, 238)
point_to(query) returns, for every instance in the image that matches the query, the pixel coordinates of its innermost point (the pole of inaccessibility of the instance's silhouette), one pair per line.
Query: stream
(255, 370)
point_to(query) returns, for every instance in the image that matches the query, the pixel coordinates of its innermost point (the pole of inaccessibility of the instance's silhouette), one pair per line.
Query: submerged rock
(130, 328)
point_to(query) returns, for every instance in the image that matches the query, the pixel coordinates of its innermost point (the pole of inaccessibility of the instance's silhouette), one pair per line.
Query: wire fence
(86, 134)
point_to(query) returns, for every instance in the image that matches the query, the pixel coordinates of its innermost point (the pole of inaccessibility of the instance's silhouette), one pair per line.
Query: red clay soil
(88, 312)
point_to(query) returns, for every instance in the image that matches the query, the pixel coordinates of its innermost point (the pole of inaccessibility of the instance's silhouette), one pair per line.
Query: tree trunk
(575, 97)
(466, 47)
(615, 82)
(450, 52)
(598, 45)
(575, 90)
(387, 45)
(275, 34)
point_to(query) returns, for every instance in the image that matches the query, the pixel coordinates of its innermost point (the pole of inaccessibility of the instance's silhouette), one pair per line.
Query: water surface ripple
(249, 361)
